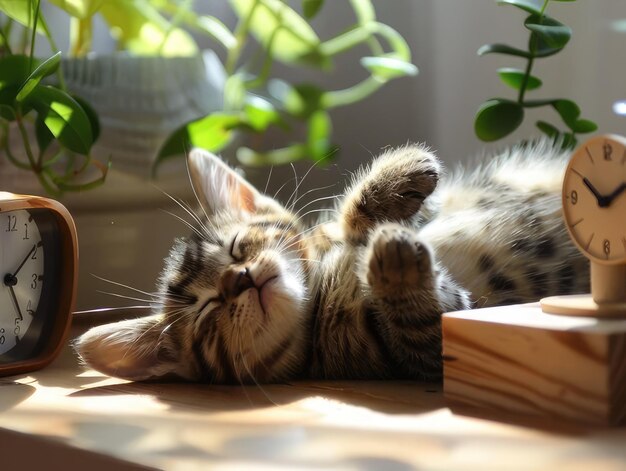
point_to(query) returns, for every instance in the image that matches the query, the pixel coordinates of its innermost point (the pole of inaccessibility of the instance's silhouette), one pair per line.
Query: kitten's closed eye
(211, 304)
(235, 250)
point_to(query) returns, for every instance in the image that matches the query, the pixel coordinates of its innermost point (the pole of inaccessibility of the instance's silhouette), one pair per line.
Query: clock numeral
(25, 232)
(29, 308)
(574, 197)
(12, 222)
(34, 255)
(606, 246)
(35, 279)
(16, 331)
(607, 150)
(2, 338)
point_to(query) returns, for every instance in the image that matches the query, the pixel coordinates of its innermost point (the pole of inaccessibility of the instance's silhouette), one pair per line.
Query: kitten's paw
(393, 189)
(398, 260)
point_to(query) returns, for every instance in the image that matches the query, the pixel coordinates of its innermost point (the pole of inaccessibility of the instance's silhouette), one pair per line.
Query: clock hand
(618, 191)
(11, 281)
(24, 261)
(602, 200)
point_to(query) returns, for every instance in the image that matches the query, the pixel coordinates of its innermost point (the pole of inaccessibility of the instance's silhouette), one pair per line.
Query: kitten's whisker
(309, 192)
(296, 199)
(267, 183)
(150, 301)
(110, 309)
(316, 200)
(295, 177)
(186, 223)
(185, 207)
(195, 194)
(248, 369)
(154, 295)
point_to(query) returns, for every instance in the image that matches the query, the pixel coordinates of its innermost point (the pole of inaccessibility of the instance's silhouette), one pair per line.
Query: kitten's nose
(235, 281)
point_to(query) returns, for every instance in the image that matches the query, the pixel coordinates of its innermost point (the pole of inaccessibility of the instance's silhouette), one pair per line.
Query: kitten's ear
(134, 349)
(218, 187)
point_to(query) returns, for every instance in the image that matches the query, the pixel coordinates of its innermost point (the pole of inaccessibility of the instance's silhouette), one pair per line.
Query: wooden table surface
(79, 418)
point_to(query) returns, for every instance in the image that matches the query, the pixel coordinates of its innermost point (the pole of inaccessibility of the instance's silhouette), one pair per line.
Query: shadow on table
(12, 393)
(391, 397)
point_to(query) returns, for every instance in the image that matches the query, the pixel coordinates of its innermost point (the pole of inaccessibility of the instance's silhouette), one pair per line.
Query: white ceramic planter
(141, 100)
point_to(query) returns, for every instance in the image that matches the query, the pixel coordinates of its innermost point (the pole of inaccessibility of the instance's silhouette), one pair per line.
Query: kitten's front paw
(398, 260)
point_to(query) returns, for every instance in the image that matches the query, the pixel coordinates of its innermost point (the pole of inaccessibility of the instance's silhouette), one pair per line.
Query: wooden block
(521, 360)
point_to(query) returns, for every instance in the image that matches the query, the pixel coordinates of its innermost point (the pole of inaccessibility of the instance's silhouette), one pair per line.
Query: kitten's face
(234, 294)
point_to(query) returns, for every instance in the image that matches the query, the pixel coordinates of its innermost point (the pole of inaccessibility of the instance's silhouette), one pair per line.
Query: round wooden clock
(38, 275)
(594, 209)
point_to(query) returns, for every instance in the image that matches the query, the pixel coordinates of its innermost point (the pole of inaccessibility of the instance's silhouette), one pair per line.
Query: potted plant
(498, 117)
(139, 116)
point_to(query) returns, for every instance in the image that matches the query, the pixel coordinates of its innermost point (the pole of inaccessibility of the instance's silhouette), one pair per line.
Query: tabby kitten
(254, 295)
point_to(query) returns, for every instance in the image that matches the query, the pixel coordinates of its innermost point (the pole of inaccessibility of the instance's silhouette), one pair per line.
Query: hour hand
(602, 201)
(618, 191)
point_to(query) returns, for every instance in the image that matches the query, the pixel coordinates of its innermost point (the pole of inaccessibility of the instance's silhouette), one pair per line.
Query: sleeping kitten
(254, 295)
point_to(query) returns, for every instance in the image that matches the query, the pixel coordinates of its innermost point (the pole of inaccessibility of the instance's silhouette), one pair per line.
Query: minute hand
(25, 258)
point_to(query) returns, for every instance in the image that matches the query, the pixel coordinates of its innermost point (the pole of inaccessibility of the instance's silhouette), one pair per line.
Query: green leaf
(273, 22)
(7, 113)
(142, 30)
(47, 67)
(81, 9)
(42, 134)
(552, 33)
(387, 68)
(21, 11)
(497, 118)
(212, 133)
(515, 77)
(311, 8)
(91, 115)
(568, 110)
(63, 116)
(583, 126)
(548, 129)
(216, 29)
(502, 49)
(14, 70)
(531, 6)
(260, 113)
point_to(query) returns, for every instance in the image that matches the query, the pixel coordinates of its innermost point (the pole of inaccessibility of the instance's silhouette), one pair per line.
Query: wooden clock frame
(68, 280)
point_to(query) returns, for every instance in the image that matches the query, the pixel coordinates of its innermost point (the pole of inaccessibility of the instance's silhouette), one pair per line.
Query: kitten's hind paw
(398, 260)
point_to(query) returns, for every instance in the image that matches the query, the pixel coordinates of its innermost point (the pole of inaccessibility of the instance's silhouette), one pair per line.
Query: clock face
(29, 273)
(22, 274)
(594, 199)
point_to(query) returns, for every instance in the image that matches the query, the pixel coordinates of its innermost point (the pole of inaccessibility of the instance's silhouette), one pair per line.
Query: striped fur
(253, 295)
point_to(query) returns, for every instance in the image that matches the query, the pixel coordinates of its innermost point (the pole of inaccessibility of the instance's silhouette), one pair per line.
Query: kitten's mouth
(265, 293)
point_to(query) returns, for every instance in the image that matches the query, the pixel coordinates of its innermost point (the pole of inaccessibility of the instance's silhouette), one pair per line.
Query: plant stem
(29, 152)
(80, 36)
(33, 36)
(352, 94)
(266, 68)
(241, 33)
(4, 143)
(533, 51)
